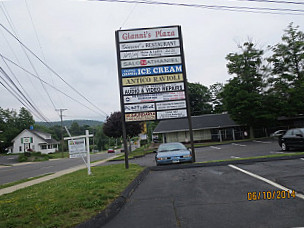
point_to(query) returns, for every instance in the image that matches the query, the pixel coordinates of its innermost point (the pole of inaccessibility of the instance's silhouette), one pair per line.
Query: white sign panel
(151, 62)
(149, 45)
(170, 87)
(140, 107)
(148, 34)
(141, 98)
(172, 114)
(171, 105)
(77, 148)
(150, 53)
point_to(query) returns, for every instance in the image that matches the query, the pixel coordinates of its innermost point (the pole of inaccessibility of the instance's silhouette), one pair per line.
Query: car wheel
(284, 147)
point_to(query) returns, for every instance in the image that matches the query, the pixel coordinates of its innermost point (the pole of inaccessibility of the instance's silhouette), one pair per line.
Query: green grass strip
(137, 152)
(68, 200)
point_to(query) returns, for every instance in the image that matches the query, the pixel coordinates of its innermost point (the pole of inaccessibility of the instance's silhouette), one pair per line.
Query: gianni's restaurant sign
(151, 73)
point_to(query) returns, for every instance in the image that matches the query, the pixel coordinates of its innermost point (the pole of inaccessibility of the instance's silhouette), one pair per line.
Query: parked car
(278, 133)
(110, 150)
(293, 138)
(168, 153)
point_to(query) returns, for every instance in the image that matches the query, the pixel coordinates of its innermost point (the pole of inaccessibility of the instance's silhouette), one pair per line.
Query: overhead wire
(10, 22)
(49, 84)
(263, 10)
(52, 70)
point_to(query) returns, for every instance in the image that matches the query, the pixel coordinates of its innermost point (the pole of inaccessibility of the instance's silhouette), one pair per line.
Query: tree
(243, 95)
(25, 119)
(75, 129)
(287, 74)
(113, 126)
(199, 98)
(216, 97)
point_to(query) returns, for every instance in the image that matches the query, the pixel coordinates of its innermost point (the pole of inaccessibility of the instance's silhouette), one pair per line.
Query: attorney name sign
(151, 73)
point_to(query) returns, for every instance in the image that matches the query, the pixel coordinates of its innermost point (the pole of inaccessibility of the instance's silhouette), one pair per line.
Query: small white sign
(150, 53)
(151, 62)
(77, 148)
(149, 45)
(142, 98)
(140, 107)
(172, 114)
(169, 87)
(171, 105)
(148, 34)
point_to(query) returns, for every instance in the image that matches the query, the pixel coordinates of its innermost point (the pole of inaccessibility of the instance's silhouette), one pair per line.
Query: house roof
(39, 134)
(209, 121)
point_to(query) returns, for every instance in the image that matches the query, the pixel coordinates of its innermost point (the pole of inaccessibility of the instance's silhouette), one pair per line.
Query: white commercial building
(32, 140)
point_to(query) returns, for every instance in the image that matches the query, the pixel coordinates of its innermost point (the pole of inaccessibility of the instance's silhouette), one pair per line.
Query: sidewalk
(49, 177)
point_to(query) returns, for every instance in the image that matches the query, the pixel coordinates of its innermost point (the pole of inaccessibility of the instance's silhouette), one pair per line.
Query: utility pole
(61, 110)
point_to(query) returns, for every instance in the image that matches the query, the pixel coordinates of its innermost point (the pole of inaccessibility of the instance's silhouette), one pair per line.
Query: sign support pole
(124, 133)
(88, 152)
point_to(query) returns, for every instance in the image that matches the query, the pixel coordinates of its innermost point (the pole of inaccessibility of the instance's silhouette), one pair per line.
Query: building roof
(42, 135)
(209, 121)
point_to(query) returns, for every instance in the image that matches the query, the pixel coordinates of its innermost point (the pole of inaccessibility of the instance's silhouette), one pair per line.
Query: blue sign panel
(151, 70)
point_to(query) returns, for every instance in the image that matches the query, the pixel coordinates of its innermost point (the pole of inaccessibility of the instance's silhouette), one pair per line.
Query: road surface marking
(214, 147)
(276, 152)
(261, 141)
(236, 144)
(302, 159)
(234, 157)
(299, 195)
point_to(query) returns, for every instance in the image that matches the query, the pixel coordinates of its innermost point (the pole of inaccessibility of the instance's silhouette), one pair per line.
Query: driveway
(215, 197)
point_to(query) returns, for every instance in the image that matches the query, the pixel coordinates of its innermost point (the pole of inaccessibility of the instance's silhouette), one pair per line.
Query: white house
(35, 141)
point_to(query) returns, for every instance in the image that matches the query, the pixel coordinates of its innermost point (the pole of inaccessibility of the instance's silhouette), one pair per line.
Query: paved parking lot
(217, 197)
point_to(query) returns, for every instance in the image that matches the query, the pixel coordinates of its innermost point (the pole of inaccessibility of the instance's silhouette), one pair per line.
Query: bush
(22, 158)
(143, 142)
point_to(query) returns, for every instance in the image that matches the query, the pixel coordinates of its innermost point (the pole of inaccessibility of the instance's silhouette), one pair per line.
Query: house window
(49, 146)
(43, 147)
(20, 148)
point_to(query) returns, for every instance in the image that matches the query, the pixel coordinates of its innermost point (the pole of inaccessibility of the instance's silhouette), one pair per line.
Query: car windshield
(171, 147)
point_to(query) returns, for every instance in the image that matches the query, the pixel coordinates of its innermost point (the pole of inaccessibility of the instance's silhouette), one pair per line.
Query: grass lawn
(68, 200)
(137, 152)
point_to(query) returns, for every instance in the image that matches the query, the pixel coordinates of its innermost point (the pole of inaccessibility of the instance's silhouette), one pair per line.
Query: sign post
(152, 76)
(79, 146)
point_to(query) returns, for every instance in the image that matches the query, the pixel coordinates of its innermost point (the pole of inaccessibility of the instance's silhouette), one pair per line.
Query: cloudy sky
(76, 39)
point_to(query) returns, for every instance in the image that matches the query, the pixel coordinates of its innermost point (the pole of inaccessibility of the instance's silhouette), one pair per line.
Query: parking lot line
(301, 196)
(266, 142)
(302, 159)
(234, 157)
(236, 144)
(214, 147)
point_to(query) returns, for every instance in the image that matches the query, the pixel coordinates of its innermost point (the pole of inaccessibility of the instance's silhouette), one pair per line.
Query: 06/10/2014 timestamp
(270, 195)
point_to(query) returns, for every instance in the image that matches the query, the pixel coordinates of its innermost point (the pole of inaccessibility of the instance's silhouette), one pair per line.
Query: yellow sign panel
(152, 79)
(140, 116)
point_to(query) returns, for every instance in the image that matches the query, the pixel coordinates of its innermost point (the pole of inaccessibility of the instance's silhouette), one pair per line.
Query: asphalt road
(216, 197)
(27, 170)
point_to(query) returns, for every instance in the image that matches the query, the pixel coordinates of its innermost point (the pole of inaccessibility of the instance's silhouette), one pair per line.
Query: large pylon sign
(151, 73)
(152, 76)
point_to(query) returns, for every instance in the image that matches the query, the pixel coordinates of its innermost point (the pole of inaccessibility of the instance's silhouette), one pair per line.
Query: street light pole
(61, 110)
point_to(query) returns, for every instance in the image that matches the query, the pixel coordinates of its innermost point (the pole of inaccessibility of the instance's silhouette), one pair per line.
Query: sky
(76, 40)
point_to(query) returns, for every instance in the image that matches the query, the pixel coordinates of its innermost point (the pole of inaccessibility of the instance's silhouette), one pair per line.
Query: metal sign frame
(138, 47)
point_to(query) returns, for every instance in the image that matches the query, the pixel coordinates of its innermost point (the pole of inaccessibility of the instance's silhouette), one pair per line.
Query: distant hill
(91, 123)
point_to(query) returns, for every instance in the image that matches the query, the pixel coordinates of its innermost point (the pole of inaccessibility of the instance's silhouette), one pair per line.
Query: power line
(264, 10)
(53, 71)
(50, 85)
(270, 1)
(9, 20)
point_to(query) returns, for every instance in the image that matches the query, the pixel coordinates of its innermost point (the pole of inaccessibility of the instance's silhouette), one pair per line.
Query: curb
(223, 163)
(113, 209)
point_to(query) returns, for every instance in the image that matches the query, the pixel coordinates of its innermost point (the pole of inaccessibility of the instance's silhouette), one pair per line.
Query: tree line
(265, 85)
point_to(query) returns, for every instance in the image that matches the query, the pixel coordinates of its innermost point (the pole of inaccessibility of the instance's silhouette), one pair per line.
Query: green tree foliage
(216, 97)
(113, 126)
(287, 74)
(12, 124)
(199, 98)
(243, 95)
